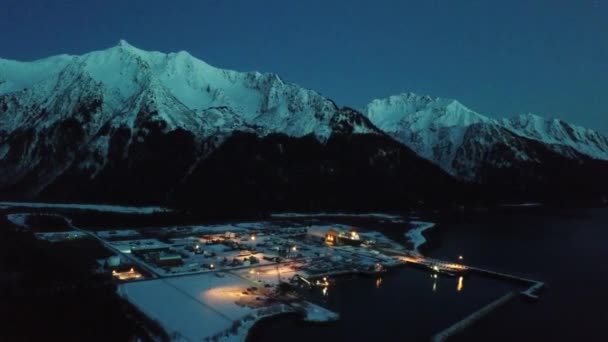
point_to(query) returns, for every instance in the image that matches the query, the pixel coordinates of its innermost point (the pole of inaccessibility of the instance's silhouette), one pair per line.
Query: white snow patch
(521, 205)
(415, 235)
(199, 307)
(18, 219)
(394, 218)
(105, 234)
(558, 134)
(315, 313)
(61, 236)
(193, 307)
(91, 207)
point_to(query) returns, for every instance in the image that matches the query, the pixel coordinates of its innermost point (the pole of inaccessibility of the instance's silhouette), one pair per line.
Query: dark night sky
(498, 57)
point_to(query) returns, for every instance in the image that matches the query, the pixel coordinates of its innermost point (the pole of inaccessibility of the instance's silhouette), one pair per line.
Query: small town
(232, 275)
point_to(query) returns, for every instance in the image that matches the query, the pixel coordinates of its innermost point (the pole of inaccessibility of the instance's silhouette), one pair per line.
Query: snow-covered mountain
(433, 127)
(462, 141)
(128, 124)
(563, 137)
(185, 91)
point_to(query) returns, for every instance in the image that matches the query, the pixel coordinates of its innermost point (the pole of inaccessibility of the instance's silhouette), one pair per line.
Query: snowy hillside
(92, 110)
(185, 91)
(433, 127)
(135, 126)
(460, 140)
(559, 134)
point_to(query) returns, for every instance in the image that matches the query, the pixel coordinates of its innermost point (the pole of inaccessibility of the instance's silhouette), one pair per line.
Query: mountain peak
(123, 43)
(420, 112)
(559, 133)
(176, 85)
(123, 46)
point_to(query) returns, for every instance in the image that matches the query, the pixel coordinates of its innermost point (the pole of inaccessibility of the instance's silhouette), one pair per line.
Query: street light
(460, 257)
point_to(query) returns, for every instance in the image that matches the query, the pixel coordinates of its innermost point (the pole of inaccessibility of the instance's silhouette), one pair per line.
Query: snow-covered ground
(315, 313)
(415, 235)
(190, 308)
(393, 218)
(222, 228)
(207, 307)
(521, 205)
(92, 207)
(61, 236)
(128, 246)
(18, 220)
(107, 234)
(268, 274)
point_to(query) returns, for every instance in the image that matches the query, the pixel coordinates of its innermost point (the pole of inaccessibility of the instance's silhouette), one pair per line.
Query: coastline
(415, 235)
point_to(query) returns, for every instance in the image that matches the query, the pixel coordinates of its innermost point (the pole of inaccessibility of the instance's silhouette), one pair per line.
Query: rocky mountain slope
(123, 124)
(462, 141)
(128, 125)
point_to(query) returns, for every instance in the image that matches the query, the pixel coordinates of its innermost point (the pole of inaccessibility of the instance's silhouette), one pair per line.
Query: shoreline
(415, 235)
(104, 208)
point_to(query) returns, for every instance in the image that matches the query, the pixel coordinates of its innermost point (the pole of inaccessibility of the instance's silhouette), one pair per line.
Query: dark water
(568, 250)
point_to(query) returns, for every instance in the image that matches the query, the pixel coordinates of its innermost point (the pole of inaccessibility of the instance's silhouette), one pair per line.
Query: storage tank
(114, 261)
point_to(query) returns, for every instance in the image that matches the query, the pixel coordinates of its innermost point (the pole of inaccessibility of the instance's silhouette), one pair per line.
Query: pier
(441, 265)
(472, 318)
(530, 292)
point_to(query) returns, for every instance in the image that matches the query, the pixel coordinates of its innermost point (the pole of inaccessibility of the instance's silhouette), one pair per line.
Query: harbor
(245, 272)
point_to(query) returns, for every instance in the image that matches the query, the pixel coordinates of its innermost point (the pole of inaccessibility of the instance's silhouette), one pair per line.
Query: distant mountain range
(460, 140)
(127, 125)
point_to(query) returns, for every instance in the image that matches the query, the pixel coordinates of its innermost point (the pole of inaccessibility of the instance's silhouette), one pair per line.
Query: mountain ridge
(124, 124)
(436, 129)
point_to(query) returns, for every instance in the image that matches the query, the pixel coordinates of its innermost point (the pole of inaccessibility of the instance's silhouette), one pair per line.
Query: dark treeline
(251, 176)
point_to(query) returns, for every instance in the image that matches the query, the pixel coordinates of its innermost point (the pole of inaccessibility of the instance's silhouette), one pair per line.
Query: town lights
(294, 248)
(252, 237)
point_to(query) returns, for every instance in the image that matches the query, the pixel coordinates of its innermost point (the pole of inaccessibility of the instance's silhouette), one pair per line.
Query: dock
(472, 318)
(441, 265)
(530, 292)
